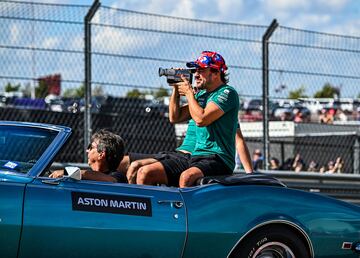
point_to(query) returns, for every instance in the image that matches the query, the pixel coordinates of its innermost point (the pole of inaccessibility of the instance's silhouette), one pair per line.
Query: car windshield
(21, 147)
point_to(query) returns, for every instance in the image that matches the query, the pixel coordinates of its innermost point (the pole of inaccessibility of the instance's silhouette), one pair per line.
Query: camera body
(174, 75)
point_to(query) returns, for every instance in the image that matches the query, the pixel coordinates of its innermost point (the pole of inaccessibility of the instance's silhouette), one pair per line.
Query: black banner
(120, 204)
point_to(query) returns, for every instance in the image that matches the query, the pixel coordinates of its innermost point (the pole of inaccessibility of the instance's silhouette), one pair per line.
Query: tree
(41, 91)
(135, 93)
(297, 93)
(80, 92)
(160, 93)
(328, 91)
(75, 92)
(12, 88)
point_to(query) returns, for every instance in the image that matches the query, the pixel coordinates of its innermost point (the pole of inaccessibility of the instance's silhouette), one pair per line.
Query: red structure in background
(53, 83)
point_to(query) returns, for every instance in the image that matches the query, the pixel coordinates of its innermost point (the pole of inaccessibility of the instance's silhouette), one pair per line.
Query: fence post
(265, 76)
(87, 113)
(357, 156)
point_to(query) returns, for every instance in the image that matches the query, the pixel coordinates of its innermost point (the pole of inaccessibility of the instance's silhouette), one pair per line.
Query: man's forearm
(174, 106)
(244, 155)
(196, 111)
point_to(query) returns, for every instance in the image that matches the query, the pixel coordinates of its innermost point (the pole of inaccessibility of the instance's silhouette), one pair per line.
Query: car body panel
(49, 214)
(45, 217)
(319, 217)
(11, 203)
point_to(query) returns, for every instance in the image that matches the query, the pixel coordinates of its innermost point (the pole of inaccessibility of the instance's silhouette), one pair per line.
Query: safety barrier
(344, 187)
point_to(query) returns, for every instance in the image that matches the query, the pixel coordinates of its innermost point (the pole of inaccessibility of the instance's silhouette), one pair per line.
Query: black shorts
(210, 165)
(174, 162)
(120, 177)
(137, 156)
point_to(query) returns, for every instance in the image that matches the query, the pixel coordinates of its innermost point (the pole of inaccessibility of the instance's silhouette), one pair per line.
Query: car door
(11, 207)
(96, 219)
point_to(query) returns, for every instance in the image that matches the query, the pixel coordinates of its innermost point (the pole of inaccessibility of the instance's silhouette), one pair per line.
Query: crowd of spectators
(297, 164)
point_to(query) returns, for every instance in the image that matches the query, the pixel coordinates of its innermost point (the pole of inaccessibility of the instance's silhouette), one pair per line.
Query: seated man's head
(105, 151)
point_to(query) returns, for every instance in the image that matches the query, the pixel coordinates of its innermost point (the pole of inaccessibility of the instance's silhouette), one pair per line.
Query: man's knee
(188, 178)
(143, 176)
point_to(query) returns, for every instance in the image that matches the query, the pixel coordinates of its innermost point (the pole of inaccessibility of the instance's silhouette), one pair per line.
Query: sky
(330, 16)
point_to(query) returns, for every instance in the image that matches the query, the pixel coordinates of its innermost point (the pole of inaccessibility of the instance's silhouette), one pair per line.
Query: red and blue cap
(209, 59)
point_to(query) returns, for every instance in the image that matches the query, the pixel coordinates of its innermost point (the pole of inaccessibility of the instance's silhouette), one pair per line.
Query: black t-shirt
(120, 177)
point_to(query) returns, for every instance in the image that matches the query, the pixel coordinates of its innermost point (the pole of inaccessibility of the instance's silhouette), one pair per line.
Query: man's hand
(184, 87)
(57, 174)
(132, 172)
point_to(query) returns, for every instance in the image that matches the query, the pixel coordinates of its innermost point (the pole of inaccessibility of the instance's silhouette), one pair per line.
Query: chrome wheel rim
(273, 250)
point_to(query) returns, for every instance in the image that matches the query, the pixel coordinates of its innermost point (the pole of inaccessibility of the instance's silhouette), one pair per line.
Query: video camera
(174, 75)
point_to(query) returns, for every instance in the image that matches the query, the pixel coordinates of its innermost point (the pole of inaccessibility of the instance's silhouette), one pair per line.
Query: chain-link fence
(320, 71)
(42, 51)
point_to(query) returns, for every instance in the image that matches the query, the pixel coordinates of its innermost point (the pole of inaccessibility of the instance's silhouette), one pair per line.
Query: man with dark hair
(214, 112)
(105, 152)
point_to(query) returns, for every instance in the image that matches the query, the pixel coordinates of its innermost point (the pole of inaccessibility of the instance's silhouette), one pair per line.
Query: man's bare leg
(131, 173)
(152, 174)
(189, 177)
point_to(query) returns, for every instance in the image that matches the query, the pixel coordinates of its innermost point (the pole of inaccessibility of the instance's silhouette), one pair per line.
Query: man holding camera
(215, 111)
(213, 129)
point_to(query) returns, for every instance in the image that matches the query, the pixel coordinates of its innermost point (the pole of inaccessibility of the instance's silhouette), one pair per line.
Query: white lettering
(88, 201)
(104, 203)
(80, 201)
(114, 203)
(100, 202)
(142, 206)
(121, 204)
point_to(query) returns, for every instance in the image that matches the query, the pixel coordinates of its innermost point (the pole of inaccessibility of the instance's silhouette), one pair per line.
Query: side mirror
(73, 173)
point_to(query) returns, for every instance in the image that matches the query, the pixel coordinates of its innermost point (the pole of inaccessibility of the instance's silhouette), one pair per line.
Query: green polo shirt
(219, 137)
(189, 141)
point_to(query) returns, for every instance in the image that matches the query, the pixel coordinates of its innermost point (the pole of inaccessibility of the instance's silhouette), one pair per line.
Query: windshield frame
(62, 134)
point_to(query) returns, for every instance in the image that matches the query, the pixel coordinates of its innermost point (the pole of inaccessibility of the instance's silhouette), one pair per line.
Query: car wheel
(271, 242)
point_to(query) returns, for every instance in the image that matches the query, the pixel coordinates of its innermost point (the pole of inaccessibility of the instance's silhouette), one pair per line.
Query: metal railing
(344, 187)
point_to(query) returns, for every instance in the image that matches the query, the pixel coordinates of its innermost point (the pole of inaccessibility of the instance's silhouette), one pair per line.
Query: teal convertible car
(244, 216)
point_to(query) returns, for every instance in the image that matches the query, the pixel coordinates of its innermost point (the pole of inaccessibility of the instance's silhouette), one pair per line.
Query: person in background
(274, 164)
(298, 163)
(258, 160)
(298, 116)
(335, 167)
(341, 116)
(105, 152)
(313, 166)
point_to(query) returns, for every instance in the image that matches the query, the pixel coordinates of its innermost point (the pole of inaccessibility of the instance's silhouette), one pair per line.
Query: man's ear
(102, 155)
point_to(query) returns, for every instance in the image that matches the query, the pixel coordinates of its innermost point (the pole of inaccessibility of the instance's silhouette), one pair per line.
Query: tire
(271, 242)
